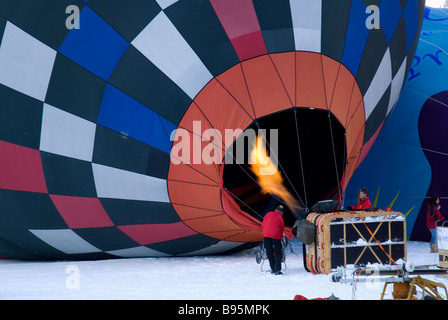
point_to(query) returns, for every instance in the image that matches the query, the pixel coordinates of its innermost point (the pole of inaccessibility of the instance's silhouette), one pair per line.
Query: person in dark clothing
(432, 216)
(273, 227)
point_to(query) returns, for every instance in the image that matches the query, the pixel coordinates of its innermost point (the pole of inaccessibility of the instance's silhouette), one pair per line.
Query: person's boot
(434, 248)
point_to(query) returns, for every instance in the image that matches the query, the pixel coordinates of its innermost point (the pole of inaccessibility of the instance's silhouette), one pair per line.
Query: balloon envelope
(103, 102)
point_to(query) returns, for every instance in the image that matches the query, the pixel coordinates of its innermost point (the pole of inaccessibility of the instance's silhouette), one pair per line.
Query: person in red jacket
(273, 227)
(433, 214)
(364, 202)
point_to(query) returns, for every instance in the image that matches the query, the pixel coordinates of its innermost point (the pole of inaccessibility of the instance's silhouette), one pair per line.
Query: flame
(268, 175)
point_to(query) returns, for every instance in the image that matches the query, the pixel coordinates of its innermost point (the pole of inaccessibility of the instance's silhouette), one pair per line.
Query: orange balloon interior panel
(331, 75)
(218, 225)
(196, 123)
(309, 81)
(195, 195)
(214, 224)
(190, 174)
(283, 63)
(146, 234)
(221, 109)
(198, 173)
(342, 96)
(355, 129)
(266, 89)
(196, 212)
(202, 155)
(348, 106)
(245, 236)
(234, 82)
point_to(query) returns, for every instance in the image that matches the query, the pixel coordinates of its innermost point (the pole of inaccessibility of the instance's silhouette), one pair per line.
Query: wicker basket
(443, 259)
(442, 244)
(355, 238)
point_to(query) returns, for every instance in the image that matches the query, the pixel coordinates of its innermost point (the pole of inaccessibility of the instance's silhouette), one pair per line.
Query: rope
(300, 155)
(379, 244)
(334, 153)
(255, 212)
(344, 159)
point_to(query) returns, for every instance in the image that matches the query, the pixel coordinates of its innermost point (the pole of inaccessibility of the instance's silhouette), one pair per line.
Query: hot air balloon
(117, 116)
(407, 163)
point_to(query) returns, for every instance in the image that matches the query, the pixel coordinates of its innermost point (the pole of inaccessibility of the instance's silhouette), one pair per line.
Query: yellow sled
(407, 290)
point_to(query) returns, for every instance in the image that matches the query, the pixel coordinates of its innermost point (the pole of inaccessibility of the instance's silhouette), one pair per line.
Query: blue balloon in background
(407, 163)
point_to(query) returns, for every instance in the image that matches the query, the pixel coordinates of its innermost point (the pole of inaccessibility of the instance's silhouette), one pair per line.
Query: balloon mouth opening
(308, 148)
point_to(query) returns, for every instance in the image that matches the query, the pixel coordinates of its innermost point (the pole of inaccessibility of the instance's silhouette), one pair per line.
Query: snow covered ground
(224, 277)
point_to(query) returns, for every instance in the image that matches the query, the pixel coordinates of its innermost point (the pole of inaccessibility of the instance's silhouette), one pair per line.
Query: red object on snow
(300, 297)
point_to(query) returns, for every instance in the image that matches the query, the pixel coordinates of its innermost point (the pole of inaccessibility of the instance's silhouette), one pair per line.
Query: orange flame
(268, 175)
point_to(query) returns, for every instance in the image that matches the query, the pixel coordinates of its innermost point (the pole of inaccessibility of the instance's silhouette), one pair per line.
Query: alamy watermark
(73, 279)
(373, 20)
(198, 147)
(72, 21)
